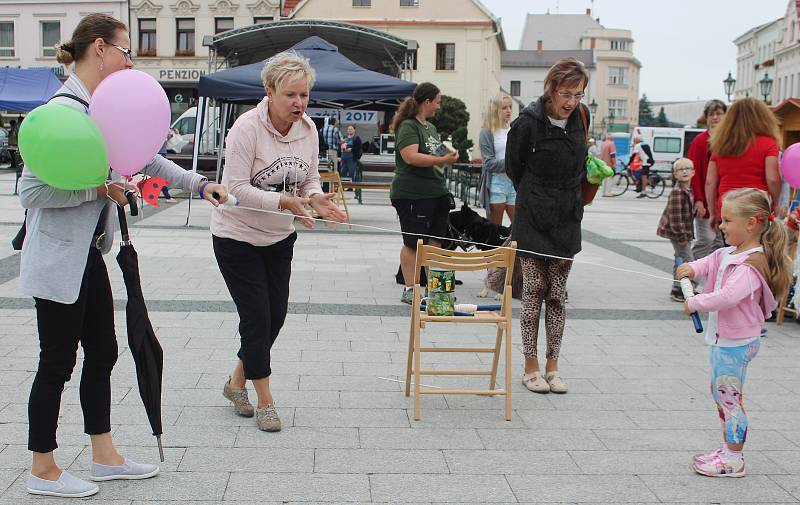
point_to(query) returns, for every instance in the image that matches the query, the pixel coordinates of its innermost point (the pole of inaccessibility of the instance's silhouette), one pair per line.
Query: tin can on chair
(441, 284)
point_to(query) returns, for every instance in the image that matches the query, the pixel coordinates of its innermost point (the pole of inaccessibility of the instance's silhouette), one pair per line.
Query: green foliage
(645, 112)
(462, 143)
(452, 115)
(662, 120)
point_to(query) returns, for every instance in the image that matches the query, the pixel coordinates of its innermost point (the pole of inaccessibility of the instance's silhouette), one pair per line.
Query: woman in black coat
(546, 161)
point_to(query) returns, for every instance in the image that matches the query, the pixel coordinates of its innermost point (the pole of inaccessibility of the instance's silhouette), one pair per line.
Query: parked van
(181, 136)
(667, 144)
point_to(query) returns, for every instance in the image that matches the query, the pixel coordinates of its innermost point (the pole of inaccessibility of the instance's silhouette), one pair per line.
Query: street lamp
(593, 110)
(766, 87)
(729, 82)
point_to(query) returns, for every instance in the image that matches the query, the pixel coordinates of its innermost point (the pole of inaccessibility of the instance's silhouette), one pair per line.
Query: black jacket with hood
(547, 165)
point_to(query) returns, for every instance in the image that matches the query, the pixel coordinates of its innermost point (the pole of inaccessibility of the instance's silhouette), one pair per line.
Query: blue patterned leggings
(728, 372)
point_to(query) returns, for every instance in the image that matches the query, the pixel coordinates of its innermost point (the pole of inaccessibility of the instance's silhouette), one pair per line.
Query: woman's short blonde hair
(287, 67)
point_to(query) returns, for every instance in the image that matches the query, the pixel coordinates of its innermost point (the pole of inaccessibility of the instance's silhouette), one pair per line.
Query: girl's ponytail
(774, 240)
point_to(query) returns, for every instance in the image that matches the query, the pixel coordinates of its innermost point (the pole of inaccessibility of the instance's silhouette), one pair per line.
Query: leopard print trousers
(543, 280)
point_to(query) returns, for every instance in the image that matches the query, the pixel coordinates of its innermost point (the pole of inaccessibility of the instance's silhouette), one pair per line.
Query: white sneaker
(128, 470)
(67, 486)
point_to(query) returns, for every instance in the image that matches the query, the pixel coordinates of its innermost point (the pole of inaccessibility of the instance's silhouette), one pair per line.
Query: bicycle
(623, 180)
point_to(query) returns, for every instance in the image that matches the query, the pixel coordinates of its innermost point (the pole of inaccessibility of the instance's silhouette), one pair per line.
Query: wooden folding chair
(429, 256)
(335, 181)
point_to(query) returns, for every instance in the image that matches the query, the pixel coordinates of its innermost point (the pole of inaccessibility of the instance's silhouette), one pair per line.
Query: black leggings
(90, 321)
(258, 280)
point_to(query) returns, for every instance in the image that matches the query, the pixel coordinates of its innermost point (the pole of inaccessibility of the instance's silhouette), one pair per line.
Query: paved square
(638, 405)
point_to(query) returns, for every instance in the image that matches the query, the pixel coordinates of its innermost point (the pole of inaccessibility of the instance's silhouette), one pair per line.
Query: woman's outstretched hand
(297, 206)
(326, 208)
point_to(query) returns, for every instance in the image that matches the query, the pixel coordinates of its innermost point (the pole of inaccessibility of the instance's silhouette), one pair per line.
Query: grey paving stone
(303, 487)
(789, 483)
(602, 402)
(7, 478)
(690, 440)
(580, 488)
(300, 438)
(224, 416)
(692, 487)
(540, 440)
(179, 436)
(347, 383)
(272, 460)
(566, 419)
(419, 438)
(17, 456)
(442, 488)
(379, 461)
(387, 400)
(633, 462)
(380, 418)
(509, 462)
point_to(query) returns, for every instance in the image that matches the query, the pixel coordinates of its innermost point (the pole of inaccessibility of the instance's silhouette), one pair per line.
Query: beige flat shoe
(535, 382)
(555, 383)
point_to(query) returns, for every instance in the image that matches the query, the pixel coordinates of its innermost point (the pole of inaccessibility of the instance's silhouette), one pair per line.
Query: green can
(441, 281)
(441, 304)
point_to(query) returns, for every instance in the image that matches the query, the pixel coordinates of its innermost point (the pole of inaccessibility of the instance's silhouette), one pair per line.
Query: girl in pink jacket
(743, 281)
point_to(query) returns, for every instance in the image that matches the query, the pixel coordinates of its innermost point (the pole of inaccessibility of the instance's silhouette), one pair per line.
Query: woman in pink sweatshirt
(743, 282)
(271, 159)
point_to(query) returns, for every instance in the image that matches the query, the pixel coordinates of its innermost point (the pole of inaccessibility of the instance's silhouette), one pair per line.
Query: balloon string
(472, 242)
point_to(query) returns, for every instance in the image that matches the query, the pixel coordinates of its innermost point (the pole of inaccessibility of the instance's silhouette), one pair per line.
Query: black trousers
(258, 280)
(90, 321)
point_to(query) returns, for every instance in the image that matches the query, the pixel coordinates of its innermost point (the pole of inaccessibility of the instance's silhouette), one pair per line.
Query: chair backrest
(501, 257)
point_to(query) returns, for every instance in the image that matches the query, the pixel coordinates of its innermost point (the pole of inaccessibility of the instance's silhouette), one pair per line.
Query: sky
(685, 46)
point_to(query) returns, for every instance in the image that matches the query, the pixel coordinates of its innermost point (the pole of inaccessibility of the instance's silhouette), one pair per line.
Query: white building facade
(167, 37)
(29, 29)
(787, 57)
(755, 58)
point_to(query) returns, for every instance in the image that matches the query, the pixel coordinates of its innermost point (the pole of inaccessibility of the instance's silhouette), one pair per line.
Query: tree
(662, 120)
(461, 143)
(452, 115)
(645, 112)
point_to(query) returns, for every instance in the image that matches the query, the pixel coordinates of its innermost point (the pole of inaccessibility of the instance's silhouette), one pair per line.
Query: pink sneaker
(719, 466)
(705, 458)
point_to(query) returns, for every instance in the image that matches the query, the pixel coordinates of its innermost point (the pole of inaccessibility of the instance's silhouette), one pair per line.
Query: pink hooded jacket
(744, 300)
(260, 165)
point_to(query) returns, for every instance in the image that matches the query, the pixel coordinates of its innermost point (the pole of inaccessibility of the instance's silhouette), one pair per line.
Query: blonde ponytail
(775, 240)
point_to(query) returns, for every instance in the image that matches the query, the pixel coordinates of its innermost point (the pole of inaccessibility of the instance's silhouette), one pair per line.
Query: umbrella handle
(131, 196)
(123, 225)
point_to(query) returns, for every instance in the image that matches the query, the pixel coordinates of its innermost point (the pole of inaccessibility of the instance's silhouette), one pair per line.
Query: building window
(147, 37)
(51, 34)
(222, 25)
(409, 3)
(7, 39)
(617, 108)
(618, 76)
(263, 19)
(362, 3)
(515, 88)
(445, 56)
(185, 37)
(619, 45)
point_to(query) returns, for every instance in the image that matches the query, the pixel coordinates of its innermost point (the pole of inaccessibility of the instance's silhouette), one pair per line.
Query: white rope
(444, 239)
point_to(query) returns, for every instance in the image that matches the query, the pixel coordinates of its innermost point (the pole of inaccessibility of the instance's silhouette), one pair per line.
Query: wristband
(203, 189)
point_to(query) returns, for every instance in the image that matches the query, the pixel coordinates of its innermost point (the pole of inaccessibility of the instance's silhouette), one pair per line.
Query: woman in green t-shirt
(418, 192)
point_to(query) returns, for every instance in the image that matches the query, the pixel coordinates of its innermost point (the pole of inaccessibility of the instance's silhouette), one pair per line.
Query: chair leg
(416, 372)
(410, 354)
(782, 310)
(496, 357)
(344, 201)
(508, 369)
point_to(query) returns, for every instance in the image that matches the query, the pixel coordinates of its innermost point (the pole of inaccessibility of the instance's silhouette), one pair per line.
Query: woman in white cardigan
(497, 193)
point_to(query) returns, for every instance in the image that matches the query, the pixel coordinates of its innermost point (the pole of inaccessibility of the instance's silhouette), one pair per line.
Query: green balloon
(63, 147)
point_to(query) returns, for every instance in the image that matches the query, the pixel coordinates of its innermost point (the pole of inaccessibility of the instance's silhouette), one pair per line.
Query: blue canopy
(24, 89)
(338, 78)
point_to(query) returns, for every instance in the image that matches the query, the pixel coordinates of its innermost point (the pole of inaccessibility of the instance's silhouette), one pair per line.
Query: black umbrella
(142, 341)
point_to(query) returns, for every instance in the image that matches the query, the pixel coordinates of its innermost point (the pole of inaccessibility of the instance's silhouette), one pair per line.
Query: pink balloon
(790, 165)
(132, 112)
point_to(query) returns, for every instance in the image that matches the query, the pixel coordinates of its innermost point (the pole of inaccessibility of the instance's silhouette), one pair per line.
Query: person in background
(419, 192)
(271, 163)
(62, 268)
(497, 193)
(351, 153)
(707, 240)
(676, 223)
(608, 153)
(332, 137)
(744, 154)
(546, 161)
(642, 150)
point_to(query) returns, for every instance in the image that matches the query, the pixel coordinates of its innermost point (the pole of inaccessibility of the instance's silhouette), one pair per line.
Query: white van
(181, 135)
(667, 144)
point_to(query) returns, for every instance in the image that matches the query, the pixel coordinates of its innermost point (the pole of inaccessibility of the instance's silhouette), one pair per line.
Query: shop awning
(24, 89)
